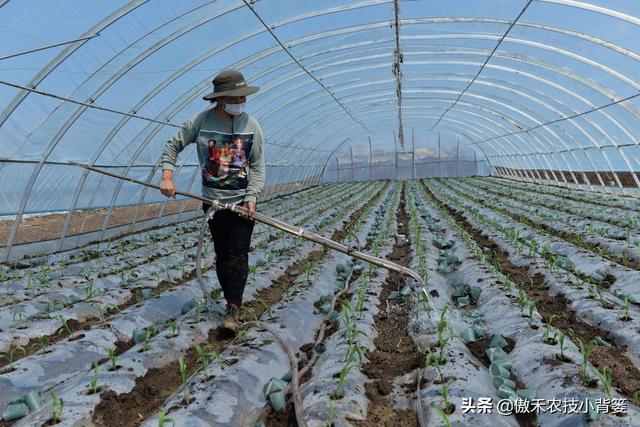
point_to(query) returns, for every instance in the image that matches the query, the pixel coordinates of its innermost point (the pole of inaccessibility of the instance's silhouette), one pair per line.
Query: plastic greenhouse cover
(521, 84)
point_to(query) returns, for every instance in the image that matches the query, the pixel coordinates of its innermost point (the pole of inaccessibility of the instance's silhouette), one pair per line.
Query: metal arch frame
(543, 146)
(617, 124)
(194, 92)
(158, 45)
(67, 52)
(103, 88)
(166, 82)
(371, 67)
(498, 149)
(597, 9)
(193, 25)
(622, 155)
(614, 174)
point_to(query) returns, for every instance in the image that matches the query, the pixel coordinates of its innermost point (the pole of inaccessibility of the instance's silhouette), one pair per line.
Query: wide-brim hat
(230, 83)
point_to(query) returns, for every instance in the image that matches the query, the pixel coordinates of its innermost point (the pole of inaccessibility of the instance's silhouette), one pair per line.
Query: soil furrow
(625, 375)
(395, 354)
(569, 237)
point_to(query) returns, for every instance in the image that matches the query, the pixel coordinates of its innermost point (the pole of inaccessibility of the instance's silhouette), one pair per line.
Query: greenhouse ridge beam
(526, 6)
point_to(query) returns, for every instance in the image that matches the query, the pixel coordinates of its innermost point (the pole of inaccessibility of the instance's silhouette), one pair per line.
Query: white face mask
(234, 109)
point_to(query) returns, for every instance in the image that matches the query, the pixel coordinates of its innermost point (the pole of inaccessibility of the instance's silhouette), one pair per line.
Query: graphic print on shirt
(224, 158)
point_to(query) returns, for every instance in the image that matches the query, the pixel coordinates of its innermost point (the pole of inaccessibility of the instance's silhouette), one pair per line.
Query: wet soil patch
(626, 376)
(395, 354)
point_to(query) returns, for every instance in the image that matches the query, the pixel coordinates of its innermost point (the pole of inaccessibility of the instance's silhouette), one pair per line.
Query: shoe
(230, 322)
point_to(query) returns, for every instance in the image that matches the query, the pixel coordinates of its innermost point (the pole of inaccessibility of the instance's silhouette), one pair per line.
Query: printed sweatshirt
(230, 153)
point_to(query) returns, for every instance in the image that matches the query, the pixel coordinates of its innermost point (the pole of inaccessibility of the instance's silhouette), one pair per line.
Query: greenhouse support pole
(338, 166)
(395, 157)
(413, 154)
(351, 158)
(371, 160)
(458, 159)
(439, 156)
(475, 162)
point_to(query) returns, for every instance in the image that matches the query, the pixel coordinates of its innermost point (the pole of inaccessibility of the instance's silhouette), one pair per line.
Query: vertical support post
(395, 158)
(351, 154)
(458, 159)
(370, 160)
(338, 167)
(413, 154)
(439, 156)
(475, 162)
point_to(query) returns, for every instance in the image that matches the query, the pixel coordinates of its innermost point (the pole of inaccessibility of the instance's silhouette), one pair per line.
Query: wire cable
(513, 23)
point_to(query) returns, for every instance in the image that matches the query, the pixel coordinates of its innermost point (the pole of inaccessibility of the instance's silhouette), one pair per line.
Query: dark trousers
(232, 240)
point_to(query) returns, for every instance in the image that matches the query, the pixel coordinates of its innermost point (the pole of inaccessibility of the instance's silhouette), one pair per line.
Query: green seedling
(175, 329)
(94, 379)
(333, 412)
(344, 372)
(560, 336)
(205, 355)
(547, 333)
(423, 296)
(585, 349)
(506, 284)
(147, 338)
(163, 419)
(57, 405)
(90, 291)
(65, 325)
(532, 307)
(443, 416)
(249, 312)
(356, 350)
(434, 361)
(606, 380)
(111, 353)
(625, 314)
(43, 342)
(10, 355)
(18, 319)
(448, 406)
(522, 300)
(182, 365)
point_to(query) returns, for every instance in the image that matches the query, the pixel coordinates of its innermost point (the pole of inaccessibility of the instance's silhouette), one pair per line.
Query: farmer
(231, 233)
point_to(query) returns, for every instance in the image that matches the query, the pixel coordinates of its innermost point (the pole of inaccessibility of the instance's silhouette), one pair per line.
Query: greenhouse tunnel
(440, 100)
